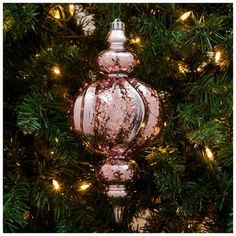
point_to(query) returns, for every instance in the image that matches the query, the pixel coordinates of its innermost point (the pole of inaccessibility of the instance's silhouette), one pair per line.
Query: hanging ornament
(117, 115)
(84, 19)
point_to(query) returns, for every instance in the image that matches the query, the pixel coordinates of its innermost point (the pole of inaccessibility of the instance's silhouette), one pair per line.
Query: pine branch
(15, 203)
(18, 19)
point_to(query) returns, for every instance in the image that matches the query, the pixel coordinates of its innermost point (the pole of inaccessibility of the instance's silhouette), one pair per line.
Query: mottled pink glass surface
(118, 115)
(111, 61)
(118, 171)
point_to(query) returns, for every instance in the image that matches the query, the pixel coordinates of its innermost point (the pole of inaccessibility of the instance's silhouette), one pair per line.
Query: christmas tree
(49, 180)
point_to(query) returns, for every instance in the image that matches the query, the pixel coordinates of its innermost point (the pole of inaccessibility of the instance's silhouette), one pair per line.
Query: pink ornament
(117, 172)
(118, 115)
(111, 61)
(116, 60)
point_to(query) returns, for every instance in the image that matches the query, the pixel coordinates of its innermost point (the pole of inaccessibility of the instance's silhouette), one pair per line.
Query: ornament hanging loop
(117, 61)
(116, 13)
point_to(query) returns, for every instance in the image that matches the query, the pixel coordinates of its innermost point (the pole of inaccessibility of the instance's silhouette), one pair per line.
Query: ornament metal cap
(116, 36)
(117, 24)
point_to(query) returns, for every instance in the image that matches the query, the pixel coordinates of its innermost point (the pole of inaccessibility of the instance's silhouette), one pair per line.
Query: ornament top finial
(116, 36)
(117, 24)
(116, 61)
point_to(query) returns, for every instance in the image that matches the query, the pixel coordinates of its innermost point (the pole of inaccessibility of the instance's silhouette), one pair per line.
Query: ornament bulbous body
(118, 116)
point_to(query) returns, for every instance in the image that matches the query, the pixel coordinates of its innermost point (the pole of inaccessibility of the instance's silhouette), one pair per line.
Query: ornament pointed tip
(118, 213)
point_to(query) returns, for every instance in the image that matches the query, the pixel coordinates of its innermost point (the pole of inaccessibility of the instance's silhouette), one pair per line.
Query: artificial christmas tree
(50, 185)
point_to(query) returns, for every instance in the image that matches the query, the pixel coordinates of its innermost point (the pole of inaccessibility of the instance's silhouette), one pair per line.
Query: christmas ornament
(117, 115)
(84, 19)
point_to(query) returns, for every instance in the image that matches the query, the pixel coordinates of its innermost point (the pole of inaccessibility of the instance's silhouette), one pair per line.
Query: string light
(72, 9)
(56, 185)
(55, 12)
(185, 16)
(153, 12)
(135, 40)
(86, 145)
(83, 186)
(183, 68)
(217, 57)
(199, 69)
(162, 150)
(18, 164)
(52, 152)
(56, 70)
(220, 58)
(26, 215)
(56, 140)
(209, 153)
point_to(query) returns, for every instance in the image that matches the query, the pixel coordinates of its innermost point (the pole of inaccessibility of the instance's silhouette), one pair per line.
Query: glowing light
(209, 153)
(217, 56)
(199, 69)
(183, 68)
(37, 55)
(72, 9)
(26, 215)
(165, 124)
(185, 16)
(56, 185)
(153, 12)
(136, 40)
(87, 144)
(56, 70)
(55, 13)
(56, 140)
(162, 150)
(84, 186)
(52, 152)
